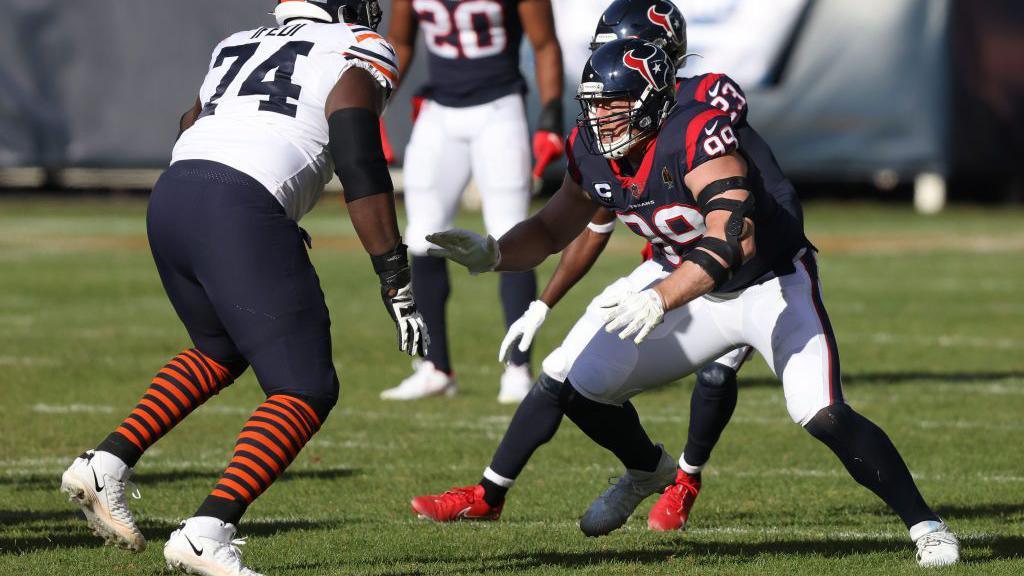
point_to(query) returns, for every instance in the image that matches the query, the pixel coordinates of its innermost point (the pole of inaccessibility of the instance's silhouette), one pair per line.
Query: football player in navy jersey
(472, 122)
(714, 395)
(730, 268)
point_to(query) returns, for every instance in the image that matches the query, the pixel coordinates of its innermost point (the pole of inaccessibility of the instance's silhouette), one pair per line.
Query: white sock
(689, 468)
(926, 527)
(498, 478)
(109, 463)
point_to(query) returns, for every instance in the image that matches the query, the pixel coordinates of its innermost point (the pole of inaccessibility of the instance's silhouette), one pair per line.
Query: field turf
(928, 312)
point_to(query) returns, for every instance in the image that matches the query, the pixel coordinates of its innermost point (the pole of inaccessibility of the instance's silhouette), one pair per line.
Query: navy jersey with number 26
(654, 202)
(474, 49)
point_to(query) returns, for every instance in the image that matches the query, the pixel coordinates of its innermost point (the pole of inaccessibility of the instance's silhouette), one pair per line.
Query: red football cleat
(465, 503)
(673, 508)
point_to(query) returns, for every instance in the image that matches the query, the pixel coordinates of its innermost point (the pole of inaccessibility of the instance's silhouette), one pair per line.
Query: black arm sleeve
(358, 156)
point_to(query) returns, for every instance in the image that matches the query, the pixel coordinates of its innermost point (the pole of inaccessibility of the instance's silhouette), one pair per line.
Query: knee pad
(715, 376)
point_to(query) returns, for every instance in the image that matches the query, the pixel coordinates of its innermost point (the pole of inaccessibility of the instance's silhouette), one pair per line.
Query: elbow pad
(355, 145)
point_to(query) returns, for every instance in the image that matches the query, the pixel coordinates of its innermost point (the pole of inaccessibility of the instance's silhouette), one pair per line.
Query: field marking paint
(939, 340)
(72, 408)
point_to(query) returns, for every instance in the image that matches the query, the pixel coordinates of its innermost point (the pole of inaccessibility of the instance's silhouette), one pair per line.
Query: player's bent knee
(551, 388)
(828, 422)
(717, 377)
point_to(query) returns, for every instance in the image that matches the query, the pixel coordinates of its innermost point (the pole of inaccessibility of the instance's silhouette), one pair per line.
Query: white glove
(470, 249)
(523, 330)
(632, 312)
(413, 338)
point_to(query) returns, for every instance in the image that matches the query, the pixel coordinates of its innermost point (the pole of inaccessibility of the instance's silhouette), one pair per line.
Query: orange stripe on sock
(142, 429)
(158, 410)
(254, 485)
(222, 372)
(270, 462)
(221, 494)
(297, 438)
(124, 431)
(185, 384)
(263, 446)
(275, 434)
(245, 492)
(200, 377)
(305, 407)
(167, 402)
(293, 416)
(254, 466)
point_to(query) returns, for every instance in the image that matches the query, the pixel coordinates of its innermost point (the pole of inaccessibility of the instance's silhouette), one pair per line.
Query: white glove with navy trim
(523, 330)
(632, 314)
(470, 249)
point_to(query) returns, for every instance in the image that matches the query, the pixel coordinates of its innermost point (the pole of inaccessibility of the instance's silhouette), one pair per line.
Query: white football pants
(489, 141)
(783, 319)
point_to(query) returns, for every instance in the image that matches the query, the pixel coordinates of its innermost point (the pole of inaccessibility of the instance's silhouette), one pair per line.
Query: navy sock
(431, 288)
(518, 290)
(535, 422)
(711, 406)
(617, 428)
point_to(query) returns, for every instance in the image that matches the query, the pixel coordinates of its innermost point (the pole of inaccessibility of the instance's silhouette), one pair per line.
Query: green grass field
(928, 313)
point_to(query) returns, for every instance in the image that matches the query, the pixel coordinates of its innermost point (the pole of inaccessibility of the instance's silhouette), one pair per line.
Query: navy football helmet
(632, 71)
(659, 22)
(363, 12)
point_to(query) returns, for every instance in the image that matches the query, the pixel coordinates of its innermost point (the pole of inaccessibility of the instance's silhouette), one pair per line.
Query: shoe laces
(679, 492)
(937, 538)
(118, 503)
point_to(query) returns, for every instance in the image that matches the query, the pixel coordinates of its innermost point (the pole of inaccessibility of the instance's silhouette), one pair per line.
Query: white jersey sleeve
(373, 53)
(263, 103)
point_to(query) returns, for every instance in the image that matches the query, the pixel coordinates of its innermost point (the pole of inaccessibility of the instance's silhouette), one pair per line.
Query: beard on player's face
(612, 119)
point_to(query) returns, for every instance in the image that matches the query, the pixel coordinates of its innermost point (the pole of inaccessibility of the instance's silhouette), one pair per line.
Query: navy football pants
(236, 270)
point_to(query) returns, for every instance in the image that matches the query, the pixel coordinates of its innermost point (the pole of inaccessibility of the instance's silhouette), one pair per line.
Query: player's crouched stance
(728, 270)
(253, 158)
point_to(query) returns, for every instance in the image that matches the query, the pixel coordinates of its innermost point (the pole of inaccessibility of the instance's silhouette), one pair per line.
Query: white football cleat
(96, 481)
(515, 384)
(425, 381)
(936, 547)
(612, 508)
(205, 545)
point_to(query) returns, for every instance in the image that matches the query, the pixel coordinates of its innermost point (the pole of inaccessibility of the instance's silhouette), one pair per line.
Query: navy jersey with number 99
(474, 49)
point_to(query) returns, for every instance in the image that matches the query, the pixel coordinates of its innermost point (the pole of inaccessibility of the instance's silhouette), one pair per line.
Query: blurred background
(913, 100)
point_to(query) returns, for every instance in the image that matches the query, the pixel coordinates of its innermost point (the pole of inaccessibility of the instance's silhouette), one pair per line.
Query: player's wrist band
(550, 119)
(392, 268)
(355, 145)
(605, 228)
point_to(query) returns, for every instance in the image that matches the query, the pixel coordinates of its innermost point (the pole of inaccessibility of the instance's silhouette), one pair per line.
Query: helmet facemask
(615, 133)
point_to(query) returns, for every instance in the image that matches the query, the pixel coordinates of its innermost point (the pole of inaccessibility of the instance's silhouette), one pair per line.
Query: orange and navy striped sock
(269, 441)
(188, 380)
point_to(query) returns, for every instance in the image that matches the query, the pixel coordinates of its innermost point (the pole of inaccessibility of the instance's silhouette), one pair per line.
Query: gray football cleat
(612, 508)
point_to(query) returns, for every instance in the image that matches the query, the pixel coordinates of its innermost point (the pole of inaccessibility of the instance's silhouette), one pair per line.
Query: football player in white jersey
(472, 122)
(280, 109)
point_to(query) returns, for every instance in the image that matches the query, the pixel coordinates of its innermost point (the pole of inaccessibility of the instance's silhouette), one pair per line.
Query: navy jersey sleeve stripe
(371, 55)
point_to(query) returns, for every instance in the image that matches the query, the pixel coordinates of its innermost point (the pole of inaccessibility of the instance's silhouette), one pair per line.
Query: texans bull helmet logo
(639, 59)
(662, 20)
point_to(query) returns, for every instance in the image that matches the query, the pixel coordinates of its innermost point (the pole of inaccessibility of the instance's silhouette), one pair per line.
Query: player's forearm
(687, 283)
(548, 58)
(526, 245)
(577, 259)
(374, 219)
